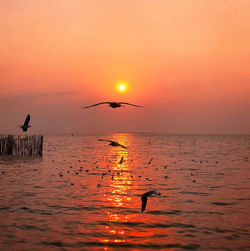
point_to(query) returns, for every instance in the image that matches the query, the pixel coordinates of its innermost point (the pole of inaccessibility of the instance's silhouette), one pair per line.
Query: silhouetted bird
(112, 104)
(144, 198)
(26, 125)
(150, 161)
(112, 143)
(121, 160)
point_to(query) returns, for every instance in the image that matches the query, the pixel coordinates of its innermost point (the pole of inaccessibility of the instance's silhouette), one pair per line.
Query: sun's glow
(121, 86)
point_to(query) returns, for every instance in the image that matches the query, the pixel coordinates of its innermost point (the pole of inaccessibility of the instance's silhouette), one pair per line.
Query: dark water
(78, 196)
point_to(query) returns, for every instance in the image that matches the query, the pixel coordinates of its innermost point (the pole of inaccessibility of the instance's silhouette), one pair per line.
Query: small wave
(217, 230)
(204, 212)
(29, 194)
(28, 227)
(4, 208)
(151, 225)
(36, 211)
(175, 212)
(120, 244)
(215, 187)
(233, 237)
(195, 193)
(24, 208)
(223, 203)
(77, 208)
(243, 199)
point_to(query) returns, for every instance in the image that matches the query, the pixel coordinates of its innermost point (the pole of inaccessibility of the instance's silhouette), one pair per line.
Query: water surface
(79, 196)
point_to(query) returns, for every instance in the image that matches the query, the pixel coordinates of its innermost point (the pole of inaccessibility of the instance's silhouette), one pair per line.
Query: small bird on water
(121, 160)
(25, 125)
(112, 104)
(150, 161)
(144, 198)
(112, 143)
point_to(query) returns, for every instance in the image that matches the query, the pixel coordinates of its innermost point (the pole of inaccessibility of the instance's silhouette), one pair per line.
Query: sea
(84, 194)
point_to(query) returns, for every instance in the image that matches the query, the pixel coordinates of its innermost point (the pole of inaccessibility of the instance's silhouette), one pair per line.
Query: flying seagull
(144, 198)
(112, 104)
(26, 125)
(112, 143)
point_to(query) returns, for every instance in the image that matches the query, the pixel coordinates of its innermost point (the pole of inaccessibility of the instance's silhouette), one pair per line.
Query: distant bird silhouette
(112, 104)
(26, 125)
(150, 161)
(144, 198)
(112, 143)
(121, 160)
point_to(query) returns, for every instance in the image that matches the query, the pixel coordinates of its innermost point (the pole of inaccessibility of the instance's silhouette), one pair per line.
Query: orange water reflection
(119, 185)
(122, 189)
(101, 210)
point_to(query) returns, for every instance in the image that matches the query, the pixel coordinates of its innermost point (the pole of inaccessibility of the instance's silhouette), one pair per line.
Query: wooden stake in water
(21, 146)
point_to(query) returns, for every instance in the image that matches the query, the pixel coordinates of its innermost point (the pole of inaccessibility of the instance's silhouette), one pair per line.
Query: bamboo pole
(21, 146)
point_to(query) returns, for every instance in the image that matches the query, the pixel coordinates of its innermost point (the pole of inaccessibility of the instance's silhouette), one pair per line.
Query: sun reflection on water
(123, 217)
(119, 185)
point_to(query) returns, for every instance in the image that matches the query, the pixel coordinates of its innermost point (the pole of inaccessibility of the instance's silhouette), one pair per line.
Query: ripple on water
(41, 210)
(117, 244)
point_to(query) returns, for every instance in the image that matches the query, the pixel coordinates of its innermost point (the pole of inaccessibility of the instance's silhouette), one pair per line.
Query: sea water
(81, 196)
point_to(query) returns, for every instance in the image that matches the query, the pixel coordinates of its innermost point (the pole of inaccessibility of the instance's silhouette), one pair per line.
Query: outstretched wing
(105, 140)
(130, 104)
(143, 202)
(101, 103)
(121, 145)
(27, 120)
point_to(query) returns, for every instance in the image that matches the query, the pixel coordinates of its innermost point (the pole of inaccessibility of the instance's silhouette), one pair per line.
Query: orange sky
(187, 62)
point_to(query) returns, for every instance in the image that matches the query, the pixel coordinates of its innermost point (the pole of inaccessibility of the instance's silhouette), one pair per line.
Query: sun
(121, 86)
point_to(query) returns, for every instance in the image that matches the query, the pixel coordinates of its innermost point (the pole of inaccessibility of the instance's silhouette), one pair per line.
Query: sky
(187, 62)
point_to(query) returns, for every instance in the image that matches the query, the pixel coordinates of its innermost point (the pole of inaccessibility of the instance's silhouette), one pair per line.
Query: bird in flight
(144, 198)
(26, 125)
(112, 104)
(112, 143)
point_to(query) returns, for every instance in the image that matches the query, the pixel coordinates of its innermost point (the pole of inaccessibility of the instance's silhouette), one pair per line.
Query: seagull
(112, 104)
(26, 125)
(150, 161)
(144, 198)
(121, 160)
(112, 143)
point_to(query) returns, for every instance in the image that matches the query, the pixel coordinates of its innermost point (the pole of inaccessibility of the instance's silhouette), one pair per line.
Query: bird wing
(101, 103)
(111, 141)
(129, 104)
(143, 202)
(151, 193)
(107, 140)
(121, 145)
(27, 120)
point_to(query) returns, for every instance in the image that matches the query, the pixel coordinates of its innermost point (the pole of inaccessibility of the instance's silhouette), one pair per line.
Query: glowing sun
(121, 86)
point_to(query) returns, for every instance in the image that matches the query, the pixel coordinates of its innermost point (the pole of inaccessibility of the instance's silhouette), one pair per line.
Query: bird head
(157, 193)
